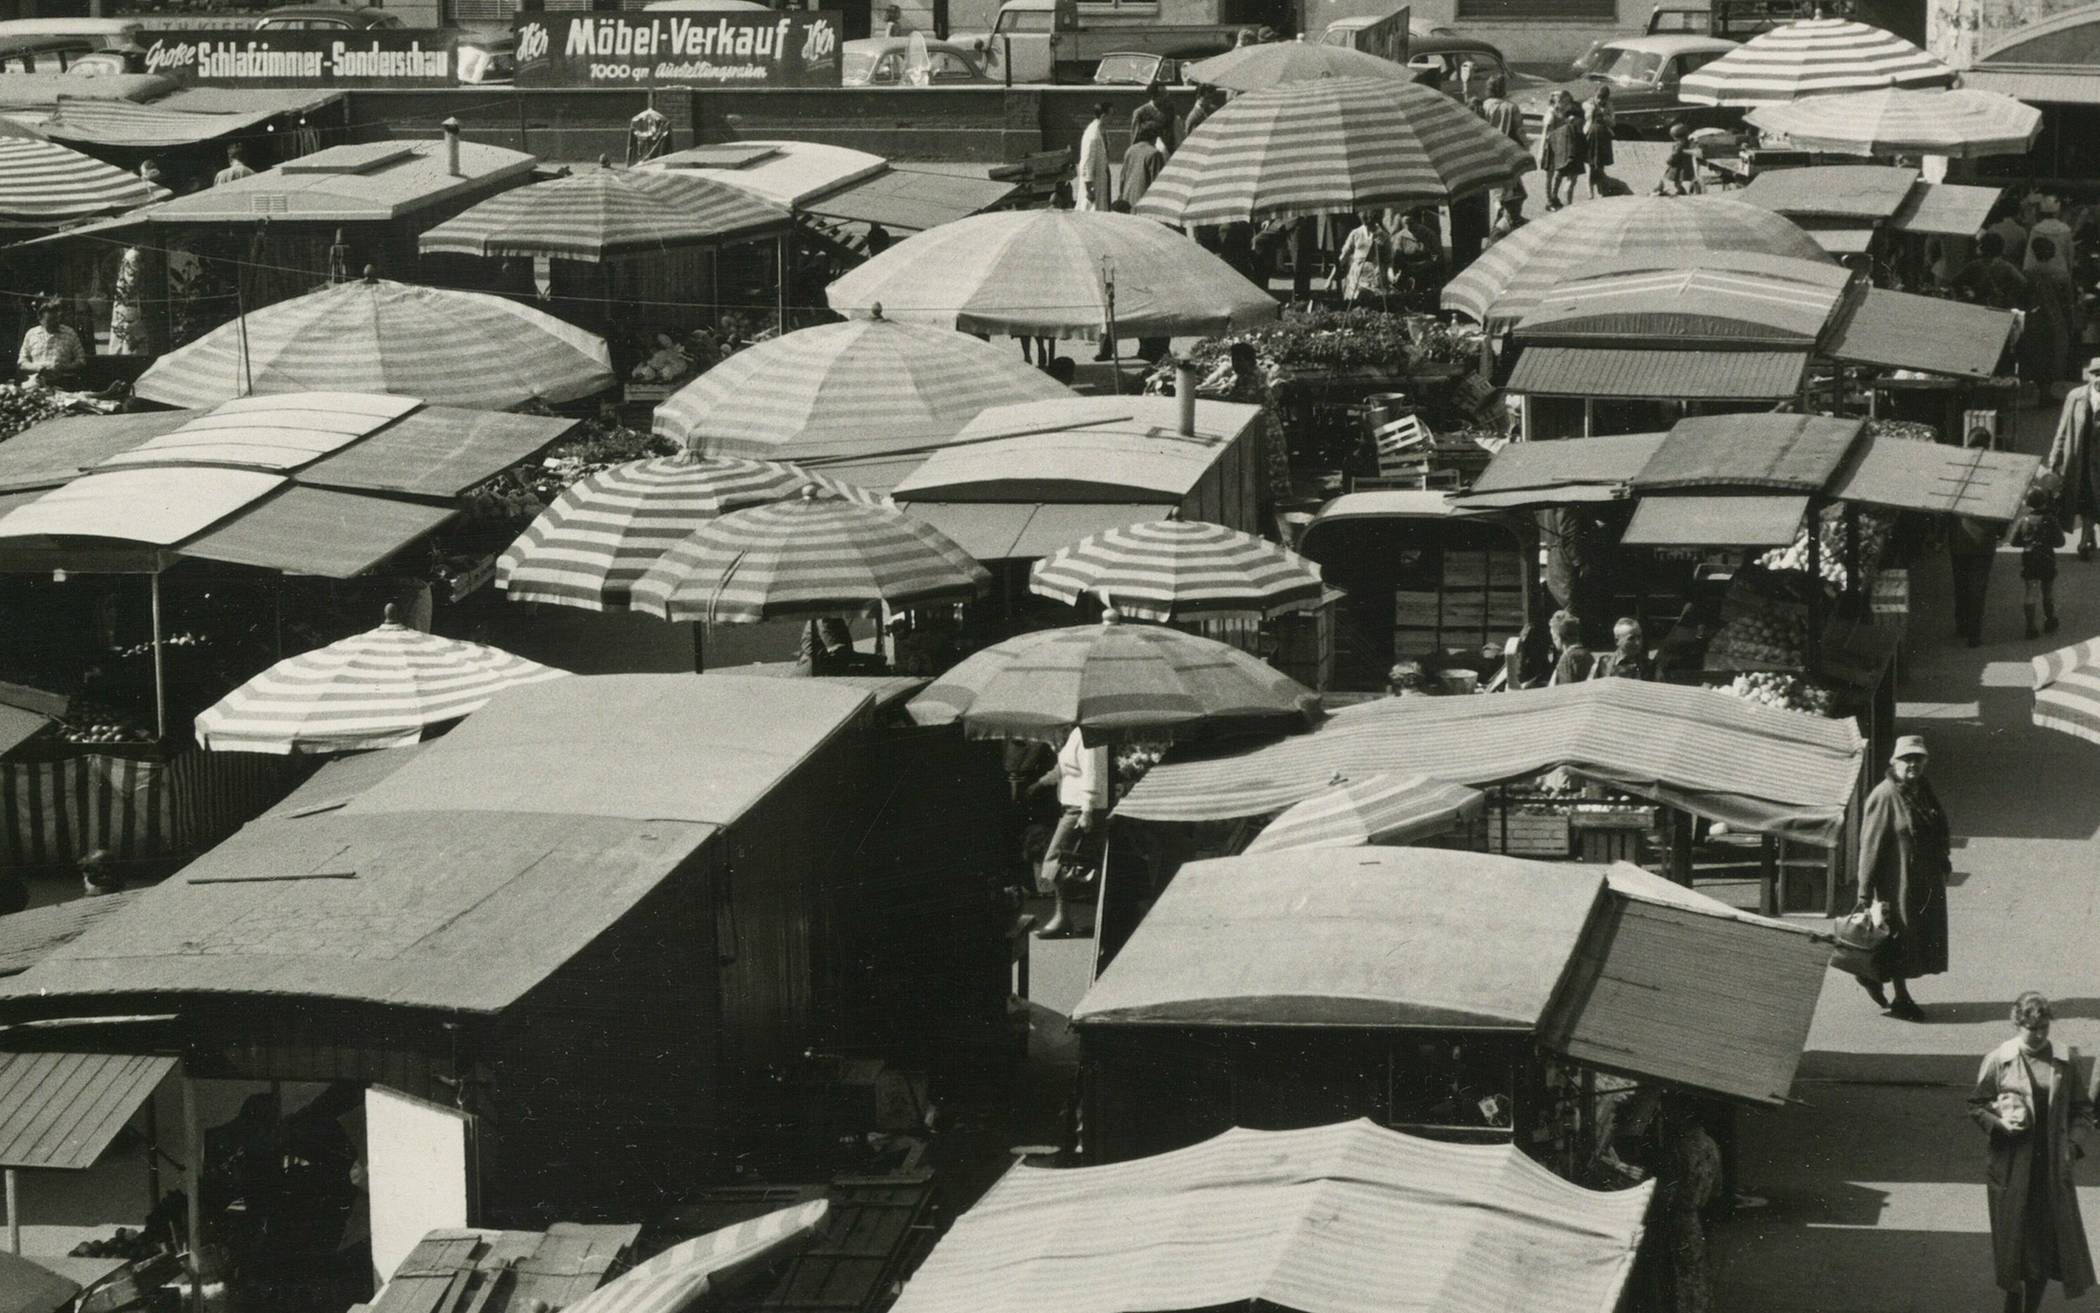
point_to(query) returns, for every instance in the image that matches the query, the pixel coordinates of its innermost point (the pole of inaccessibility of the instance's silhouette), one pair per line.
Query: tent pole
(780, 283)
(1115, 346)
(160, 681)
(699, 646)
(193, 1190)
(14, 1212)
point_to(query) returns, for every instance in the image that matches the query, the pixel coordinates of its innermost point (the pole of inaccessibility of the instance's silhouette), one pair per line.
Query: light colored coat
(2009, 1162)
(1093, 190)
(2070, 454)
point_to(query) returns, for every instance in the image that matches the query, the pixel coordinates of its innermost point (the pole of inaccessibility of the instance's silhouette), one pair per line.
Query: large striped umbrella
(1508, 280)
(372, 335)
(1814, 57)
(588, 548)
(850, 386)
(1328, 145)
(598, 213)
(1276, 63)
(2067, 690)
(1387, 809)
(680, 1277)
(1046, 273)
(1114, 682)
(1960, 124)
(810, 556)
(378, 689)
(43, 185)
(1179, 569)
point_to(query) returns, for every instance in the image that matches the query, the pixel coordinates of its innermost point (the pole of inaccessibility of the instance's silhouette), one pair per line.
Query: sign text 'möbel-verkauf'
(305, 58)
(783, 49)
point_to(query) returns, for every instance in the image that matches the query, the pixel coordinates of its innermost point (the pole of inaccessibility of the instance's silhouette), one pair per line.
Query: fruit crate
(1522, 828)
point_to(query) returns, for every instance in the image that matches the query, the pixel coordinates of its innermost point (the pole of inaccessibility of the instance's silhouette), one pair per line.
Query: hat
(1909, 745)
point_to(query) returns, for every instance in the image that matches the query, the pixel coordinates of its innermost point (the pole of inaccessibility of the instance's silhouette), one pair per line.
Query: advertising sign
(392, 57)
(738, 49)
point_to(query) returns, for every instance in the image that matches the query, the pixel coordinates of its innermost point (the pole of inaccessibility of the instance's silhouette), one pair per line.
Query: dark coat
(1903, 861)
(2071, 453)
(2009, 1163)
(1562, 144)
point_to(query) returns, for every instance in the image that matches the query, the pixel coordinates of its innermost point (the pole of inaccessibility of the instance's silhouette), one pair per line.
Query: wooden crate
(1533, 830)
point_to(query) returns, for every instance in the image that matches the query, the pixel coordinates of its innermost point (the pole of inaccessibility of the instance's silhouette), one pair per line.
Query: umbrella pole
(1115, 347)
(699, 646)
(14, 1212)
(160, 681)
(780, 283)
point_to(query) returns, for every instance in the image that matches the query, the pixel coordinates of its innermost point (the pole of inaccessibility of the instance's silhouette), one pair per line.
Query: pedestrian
(1502, 113)
(2010, 232)
(1972, 544)
(1628, 658)
(1094, 190)
(1240, 379)
(1158, 114)
(1688, 1177)
(1361, 267)
(51, 354)
(2071, 458)
(1573, 662)
(1081, 780)
(1903, 863)
(1561, 150)
(236, 166)
(1141, 164)
(2031, 1101)
(2049, 225)
(1680, 172)
(1598, 134)
(2057, 301)
(1993, 280)
(893, 23)
(1208, 101)
(1511, 217)
(2038, 533)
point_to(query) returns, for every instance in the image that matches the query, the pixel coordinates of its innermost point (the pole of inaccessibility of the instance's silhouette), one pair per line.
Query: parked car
(1138, 68)
(1644, 74)
(82, 46)
(1386, 37)
(326, 18)
(884, 61)
(1445, 57)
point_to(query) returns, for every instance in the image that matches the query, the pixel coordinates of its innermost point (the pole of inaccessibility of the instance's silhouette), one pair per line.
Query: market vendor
(1240, 379)
(51, 354)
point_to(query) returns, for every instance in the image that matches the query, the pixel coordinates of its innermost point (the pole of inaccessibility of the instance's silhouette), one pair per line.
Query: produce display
(1783, 692)
(593, 445)
(1874, 529)
(21, 407)
(1772, 636)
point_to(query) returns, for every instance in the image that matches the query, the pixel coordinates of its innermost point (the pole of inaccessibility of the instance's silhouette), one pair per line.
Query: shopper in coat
(1094, 191)
(1561, 149)
(1598, 134)
(2032, 1103)
(2072, 458)
(1903, 862)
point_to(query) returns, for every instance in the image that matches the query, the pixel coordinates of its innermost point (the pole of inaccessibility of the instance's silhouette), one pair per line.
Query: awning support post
(14, 1211)
(193, 1191)
(160, 681)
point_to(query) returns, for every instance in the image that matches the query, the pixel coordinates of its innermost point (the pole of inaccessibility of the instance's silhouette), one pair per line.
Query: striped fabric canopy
(839, 388)
(677, 1279)
(43, 185)
(1329, 145)
(1508, 280)
(599, 213)
(1172, 570)
(378, 689)
(1347, 1218)
(1276, 63)
(589, 547)
(1959, 124)
(1115, 683)
(1044, 273)
(1384, 809)
(372, 335)
(2067, 690)
(1814, 57)
(811, 556)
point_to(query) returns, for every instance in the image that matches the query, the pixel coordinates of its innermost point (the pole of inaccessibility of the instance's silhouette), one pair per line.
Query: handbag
(1859, 937)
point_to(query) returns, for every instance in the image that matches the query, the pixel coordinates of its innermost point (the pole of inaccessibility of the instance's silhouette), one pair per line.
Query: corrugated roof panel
(1796, 453)
(1920, 476)
(438, 451)
(1357, 937)
(1862, 191)
(1659, 375)
(316, 531)
(160, 506)
(61, 1110)
(1686, 520)
(1946, 209)
(1900, 330)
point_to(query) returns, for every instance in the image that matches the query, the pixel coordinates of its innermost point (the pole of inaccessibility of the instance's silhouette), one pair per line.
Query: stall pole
(14, 1212)
(714, 286)
(160, 682)
(1767, 876)
(1115, 346)
(1815, 579)
(193, 1191)
(1589, 417)
(699, 646)
(153, 1152)
(1681, 847)
(780, 284)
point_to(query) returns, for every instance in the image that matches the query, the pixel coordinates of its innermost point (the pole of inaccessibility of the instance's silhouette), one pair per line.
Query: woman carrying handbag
(1903, 862)
(2031, 1101)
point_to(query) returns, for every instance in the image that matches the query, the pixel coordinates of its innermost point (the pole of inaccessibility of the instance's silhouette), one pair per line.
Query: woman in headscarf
(1903, 862)
(2030, 1099)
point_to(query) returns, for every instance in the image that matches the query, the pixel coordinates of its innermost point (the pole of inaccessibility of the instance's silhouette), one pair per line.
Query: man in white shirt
(51, 353)
(1094, 191)
(236, 167)
(1081, 777)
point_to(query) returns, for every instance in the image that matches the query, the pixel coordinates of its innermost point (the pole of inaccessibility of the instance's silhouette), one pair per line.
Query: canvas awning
(1900, 330)
(1607, 461)
(1692, 521)
(1732, 300)
(126, 124)
(1946, 209)
(1079, 449)
(1704, 751)
(1004, 531)
(318, 531)
(1649, 373)
(1931, 477)
(911, 200)
(1869, 193)
(1791, 453)
(61, 1110)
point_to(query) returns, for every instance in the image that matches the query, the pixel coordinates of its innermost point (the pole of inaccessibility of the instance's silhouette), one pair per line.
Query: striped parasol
(588, 548)
(1958, 124)
(599, 213)
(1173, 570)
(378, 689)
(1814, 57)
(1387, 809)
(1508, 280)
(448, 348)
(1328, 145)
(810, 556)
(1277, 63)
(2067, 690)
(1041, 273)
(680, 1277)
(1115, 683)
(855, 386)
(43, 185)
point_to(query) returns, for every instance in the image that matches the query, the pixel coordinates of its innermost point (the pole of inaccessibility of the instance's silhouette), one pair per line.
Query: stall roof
(344, 907)
(1607, 460)
(17, 726)
(37, 1285)
(60, 450)
(42, 91)
(1695, 521)
(1348, 1218)
(1946, 209)
(1928, 476)
(266, 433)
(28, 937)
(1797, 453)
(1843, 239)
(1672, 984)
(1008, 531)
(317, 531)
(173, 120)
(1870, 192)
(2036, 86)
(1900, 330)
(1357, 937)
(369, 182)
(1731, 299)
(789, 174)
(61, 1110)
(472, 1271)
(1074, 449)
(1705, 751)
(161, 507)
(912, 200)
(701, 748)
(1654, 373)
(437, 451)
(340, 779)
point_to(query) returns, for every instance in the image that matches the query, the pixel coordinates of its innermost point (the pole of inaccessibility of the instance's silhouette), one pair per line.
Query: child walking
(1679, 173)
(2038, 533)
